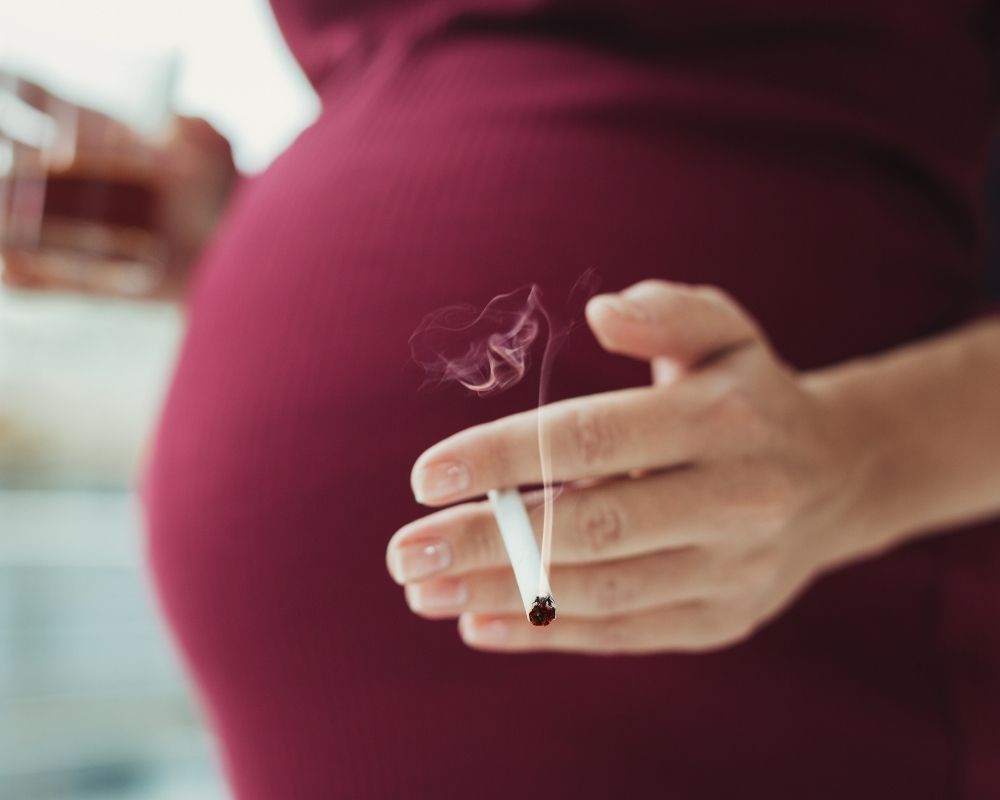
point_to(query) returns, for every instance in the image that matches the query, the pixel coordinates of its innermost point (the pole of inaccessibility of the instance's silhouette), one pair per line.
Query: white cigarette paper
(519, 540)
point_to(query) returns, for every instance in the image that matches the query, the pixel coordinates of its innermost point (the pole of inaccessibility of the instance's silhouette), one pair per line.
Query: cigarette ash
(543, 611)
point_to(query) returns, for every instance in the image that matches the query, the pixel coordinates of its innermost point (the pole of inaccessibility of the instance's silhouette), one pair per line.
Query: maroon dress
(819, 159)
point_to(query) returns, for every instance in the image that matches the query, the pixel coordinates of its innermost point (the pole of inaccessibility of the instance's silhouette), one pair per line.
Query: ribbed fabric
(819, 160)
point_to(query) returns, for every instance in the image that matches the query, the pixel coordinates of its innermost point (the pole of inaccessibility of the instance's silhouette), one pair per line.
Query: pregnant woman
(786, 583)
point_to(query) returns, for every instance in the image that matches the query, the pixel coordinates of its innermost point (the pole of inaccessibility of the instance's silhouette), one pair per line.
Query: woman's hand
(696, 508)
(190, 169)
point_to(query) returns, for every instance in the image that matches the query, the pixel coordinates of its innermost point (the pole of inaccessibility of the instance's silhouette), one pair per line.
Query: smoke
(487, 351)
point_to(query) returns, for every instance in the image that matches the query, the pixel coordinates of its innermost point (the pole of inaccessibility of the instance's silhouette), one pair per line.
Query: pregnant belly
(282, 459)
(483, 167)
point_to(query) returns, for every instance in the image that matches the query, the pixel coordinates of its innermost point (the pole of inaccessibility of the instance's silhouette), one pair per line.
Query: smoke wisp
(487, 350)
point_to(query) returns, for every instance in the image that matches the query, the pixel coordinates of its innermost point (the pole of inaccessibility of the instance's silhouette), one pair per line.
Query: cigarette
(522, 550)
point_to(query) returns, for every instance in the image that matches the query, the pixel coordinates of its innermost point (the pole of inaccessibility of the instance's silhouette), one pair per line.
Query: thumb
(683, 323)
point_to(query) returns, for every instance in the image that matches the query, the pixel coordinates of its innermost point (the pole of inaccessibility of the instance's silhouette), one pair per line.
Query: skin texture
(700, 507)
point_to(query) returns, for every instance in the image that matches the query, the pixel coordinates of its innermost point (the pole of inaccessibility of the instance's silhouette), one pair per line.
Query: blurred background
(93, 701)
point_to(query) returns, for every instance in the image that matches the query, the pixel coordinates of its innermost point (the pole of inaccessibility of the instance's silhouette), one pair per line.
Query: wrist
(868, 447)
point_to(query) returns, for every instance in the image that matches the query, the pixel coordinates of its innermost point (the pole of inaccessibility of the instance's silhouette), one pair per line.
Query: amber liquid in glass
(87, 224)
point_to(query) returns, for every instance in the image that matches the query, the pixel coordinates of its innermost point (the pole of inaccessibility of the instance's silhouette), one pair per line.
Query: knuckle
(596, 437)
(497, 453)
(610, 593)
(610, 636)
(772, 501)
(761, 500)
(481, 544)
(737, 413)
(755, 572)
(598, 525)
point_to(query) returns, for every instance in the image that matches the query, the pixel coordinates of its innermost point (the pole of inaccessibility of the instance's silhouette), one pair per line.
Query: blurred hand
(696, 509)
(192, 172)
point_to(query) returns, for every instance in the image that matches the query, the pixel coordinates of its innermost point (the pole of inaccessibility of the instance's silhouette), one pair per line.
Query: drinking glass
(81, 173)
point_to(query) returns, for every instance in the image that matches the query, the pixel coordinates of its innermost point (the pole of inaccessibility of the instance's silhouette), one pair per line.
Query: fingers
(599, 435)
(42, 271)
(594, 591)
(14, 272)
(466, 538)
(689, 325)
(612, 520)
(27, 90)
(693, 626)
(91, 130)
(676, 325)
(680, 555)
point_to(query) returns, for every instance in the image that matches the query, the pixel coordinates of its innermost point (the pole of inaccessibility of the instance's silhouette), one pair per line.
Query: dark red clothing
(819, 159)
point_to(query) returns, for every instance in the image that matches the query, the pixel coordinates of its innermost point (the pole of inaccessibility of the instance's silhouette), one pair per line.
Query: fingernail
(412, 562)
(625, 308)
(437, 595)
(493, 632)
(440, 481)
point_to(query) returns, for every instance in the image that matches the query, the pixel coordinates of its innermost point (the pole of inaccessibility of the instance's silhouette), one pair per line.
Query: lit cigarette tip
(543, 611)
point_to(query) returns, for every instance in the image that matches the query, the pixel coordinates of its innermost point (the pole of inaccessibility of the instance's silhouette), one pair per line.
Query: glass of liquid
(81, 195)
